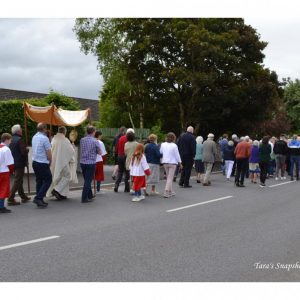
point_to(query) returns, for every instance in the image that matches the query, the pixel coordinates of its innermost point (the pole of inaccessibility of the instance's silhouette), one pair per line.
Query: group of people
(55, 163)
(259, 159)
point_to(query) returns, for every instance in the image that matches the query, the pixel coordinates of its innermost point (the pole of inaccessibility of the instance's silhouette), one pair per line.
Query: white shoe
(283, 178)
(131, 192)
(135, 199)
(276, 178)
(172, 194)
(142, 197)
(167, 195)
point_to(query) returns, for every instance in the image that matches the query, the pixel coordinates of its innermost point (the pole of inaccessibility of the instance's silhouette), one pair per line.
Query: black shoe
(4, 210)
(40, 203)
(174, 179)
(237, 184)
(198, 181)
(116, 188)
(241, 185)
(113, 177)
(180, 184)
(292, 178)
(187, 186)
(57, 195)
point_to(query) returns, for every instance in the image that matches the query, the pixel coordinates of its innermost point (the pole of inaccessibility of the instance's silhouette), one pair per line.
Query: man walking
(89, 148)
(187, 149)
(294, 151)
(280, 151)
(20, 155)
(242, 153)
(41, 160)
(62, 155)
(209, 157)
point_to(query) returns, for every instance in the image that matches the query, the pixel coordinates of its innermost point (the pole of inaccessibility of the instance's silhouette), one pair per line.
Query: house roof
(8, 94)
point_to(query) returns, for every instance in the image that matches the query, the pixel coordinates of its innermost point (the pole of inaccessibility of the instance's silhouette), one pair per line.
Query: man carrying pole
(20, 154)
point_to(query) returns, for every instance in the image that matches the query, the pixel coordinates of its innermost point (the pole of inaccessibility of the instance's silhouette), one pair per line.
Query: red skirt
(139, 182)
(4, 185)
(99, 174)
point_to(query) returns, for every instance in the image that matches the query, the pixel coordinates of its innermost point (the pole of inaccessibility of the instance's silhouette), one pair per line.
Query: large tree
(292, 102)
(205, 72)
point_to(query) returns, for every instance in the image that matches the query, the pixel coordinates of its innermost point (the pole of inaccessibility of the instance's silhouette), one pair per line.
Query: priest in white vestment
(62, 165)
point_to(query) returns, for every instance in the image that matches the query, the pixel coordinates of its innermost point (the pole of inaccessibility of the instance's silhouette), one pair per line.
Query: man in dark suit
(20, 154)
(187, 149)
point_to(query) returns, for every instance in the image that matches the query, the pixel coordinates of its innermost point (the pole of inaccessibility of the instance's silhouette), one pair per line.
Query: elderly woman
(254, 162)
(199, 165)
(170, 159)
(153, 158)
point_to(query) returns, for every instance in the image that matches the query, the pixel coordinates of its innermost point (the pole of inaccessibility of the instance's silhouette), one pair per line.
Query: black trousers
(187, 164)
(241, 168)
(263, 171)
(18, 184)
(121, 171)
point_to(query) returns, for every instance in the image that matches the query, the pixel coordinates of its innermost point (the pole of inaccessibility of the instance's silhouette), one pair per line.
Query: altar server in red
(138, 169)
(6, 168)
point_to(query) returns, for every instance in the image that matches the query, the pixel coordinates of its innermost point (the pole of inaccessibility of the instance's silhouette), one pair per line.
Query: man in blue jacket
(187, 149)
(294, 151)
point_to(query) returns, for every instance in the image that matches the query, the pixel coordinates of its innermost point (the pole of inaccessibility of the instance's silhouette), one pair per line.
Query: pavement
(219, 233)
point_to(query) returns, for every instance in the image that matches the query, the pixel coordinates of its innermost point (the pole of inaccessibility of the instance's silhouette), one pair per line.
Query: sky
(41, 54)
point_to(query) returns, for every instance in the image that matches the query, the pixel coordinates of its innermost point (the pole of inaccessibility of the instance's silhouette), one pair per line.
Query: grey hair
(15, 128)
(199, 139)
(230, 143)
(256, 143)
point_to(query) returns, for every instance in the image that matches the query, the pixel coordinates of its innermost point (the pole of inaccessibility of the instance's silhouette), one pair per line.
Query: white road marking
(201, 203)
(286, 182)
(29, 242)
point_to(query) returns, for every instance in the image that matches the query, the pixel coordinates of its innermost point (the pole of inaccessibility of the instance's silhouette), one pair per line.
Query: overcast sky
(39, 54)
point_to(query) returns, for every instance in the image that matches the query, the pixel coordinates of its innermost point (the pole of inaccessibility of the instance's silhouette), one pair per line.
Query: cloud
(38, 54)
(282, 52)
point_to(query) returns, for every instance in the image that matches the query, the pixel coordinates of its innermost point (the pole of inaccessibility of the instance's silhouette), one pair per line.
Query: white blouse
(103, 151)
(170, 153)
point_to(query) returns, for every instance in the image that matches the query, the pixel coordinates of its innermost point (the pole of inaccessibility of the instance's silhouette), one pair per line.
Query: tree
(204, 72)
(292, 102)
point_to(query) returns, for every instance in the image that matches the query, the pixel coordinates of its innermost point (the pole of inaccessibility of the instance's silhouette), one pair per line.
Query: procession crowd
(55, 163)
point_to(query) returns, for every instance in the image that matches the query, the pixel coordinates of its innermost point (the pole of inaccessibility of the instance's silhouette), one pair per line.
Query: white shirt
(170, 153)
(103, 151)
(6, 159)
(140, 168)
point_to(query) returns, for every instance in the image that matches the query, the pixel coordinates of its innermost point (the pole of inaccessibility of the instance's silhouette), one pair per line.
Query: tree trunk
(182, 117)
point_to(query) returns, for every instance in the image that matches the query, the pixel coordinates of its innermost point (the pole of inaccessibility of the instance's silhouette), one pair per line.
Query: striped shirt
(89, 147)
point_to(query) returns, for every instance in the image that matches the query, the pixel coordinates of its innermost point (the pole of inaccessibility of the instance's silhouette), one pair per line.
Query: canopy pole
(26, 143)
(51, 120)
(90, 117)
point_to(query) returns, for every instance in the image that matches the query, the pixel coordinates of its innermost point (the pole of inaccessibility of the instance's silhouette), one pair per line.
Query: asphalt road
(114, 239)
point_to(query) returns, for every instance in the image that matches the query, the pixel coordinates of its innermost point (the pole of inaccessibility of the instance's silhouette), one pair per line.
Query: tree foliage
(292, 102)
(205, 72)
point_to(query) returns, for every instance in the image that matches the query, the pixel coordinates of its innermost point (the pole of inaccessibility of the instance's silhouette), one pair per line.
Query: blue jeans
(2, 203)
(138, 193)
(294, 160)
(88, 172)
(43, 179)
